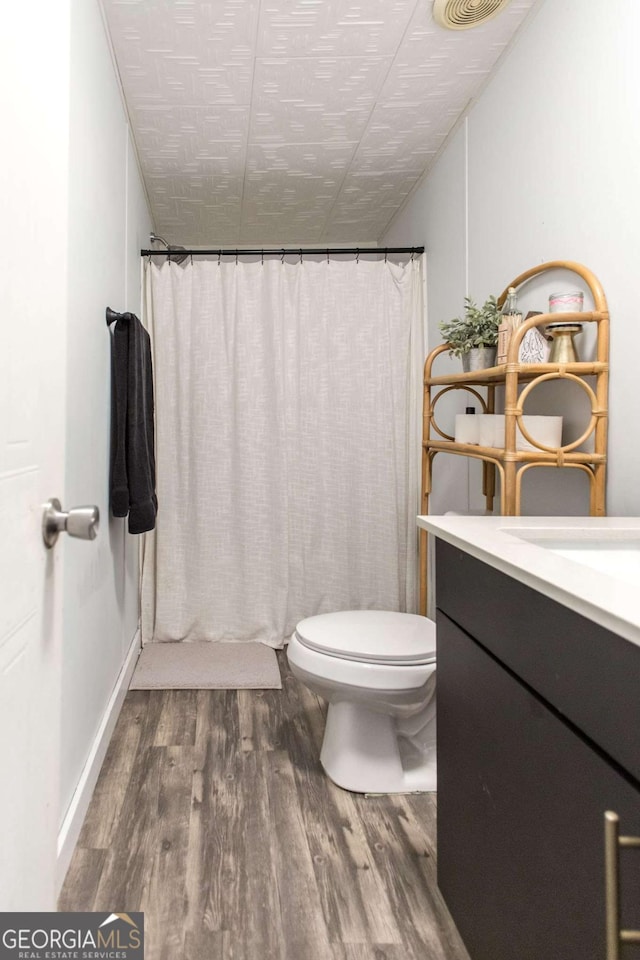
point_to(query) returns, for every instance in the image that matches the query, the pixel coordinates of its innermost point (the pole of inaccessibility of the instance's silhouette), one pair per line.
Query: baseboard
(74, 817)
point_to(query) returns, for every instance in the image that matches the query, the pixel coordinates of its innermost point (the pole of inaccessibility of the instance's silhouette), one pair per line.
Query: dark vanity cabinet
(538, 735)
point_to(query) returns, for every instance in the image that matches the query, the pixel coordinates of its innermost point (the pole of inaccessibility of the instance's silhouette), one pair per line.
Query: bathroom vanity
(538, 653)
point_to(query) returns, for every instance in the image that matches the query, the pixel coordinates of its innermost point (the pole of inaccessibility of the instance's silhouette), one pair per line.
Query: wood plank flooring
(212, 815)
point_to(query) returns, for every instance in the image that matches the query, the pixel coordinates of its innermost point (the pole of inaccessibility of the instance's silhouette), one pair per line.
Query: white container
(466, 429)
(491, 432)
(546, 430)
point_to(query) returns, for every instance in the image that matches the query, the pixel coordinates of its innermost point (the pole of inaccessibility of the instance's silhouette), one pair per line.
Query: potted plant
(474, 336)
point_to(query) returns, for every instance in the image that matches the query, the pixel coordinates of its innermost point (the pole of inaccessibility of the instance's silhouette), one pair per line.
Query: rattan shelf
(511, 463)
(526, 371)
(520, 456)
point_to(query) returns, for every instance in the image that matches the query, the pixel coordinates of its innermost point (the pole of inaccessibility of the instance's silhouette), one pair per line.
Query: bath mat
(206, 666)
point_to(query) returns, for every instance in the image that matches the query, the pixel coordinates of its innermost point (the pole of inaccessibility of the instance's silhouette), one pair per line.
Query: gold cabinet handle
(612, 843)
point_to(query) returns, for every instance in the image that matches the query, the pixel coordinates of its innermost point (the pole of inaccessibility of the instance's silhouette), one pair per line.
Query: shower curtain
(288, 406)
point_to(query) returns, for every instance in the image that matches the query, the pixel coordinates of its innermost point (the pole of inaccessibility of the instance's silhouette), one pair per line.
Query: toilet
(377, 670)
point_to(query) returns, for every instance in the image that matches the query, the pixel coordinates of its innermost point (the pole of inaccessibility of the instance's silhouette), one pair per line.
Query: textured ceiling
(285, 121)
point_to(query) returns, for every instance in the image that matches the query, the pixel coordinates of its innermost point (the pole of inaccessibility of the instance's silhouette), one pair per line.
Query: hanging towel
(133, 469)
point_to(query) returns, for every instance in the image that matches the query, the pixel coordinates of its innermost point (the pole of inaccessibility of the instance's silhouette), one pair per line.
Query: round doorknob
(81, 522)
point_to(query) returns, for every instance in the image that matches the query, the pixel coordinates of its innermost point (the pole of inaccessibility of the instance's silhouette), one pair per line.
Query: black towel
(133, 469)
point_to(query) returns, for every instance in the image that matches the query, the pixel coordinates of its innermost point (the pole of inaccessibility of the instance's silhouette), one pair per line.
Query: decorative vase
(478, 358)
(563, 349)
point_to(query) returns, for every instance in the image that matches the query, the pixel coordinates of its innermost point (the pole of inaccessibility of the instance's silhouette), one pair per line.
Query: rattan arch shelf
(510, 463)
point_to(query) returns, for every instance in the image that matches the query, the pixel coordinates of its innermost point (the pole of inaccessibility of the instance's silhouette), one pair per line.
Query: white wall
(108, 224)
(548, 163)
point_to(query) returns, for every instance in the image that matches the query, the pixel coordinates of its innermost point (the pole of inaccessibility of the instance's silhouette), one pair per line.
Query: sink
(589, 564)
(615, 553)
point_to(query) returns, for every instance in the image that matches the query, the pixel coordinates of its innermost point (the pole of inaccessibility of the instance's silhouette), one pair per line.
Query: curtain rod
(282, 252)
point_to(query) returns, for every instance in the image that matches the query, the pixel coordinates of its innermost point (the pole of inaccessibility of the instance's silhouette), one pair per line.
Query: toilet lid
(371, 636)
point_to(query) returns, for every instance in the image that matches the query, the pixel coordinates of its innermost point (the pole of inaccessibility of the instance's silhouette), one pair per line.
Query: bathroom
(538, 163)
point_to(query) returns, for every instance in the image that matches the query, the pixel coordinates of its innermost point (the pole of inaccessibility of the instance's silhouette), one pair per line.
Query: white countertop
(610, 596)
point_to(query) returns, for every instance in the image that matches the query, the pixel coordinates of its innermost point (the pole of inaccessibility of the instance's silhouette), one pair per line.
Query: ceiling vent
(464, 14)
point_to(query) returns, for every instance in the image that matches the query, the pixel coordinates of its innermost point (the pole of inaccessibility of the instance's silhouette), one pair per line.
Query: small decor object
(475, 335)
(563, 349)
(571, 302)
(534, 347)
(510, 318)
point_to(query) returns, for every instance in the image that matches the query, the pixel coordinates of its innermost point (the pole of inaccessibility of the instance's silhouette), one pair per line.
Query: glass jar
(570, 302)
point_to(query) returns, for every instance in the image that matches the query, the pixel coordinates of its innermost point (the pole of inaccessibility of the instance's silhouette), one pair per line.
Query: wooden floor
(213, 816)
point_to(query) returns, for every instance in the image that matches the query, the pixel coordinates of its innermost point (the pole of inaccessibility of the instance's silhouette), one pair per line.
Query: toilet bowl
(377, 670)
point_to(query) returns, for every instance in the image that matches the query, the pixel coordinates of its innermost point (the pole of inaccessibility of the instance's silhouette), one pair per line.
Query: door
(34, 94)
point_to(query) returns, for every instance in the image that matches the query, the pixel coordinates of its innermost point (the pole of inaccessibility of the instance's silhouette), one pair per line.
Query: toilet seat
(378, 637)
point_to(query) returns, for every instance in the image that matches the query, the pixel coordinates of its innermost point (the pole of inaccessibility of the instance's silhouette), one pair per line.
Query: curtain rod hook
(357, 254)
(327, 256)
(386, 254)
(236, 256)
(219, 255)
(412, 253)
(300, 254)
(262, 257)
(282, 257)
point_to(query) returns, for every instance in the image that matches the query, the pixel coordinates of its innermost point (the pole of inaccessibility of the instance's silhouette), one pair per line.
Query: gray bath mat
(206, 666)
